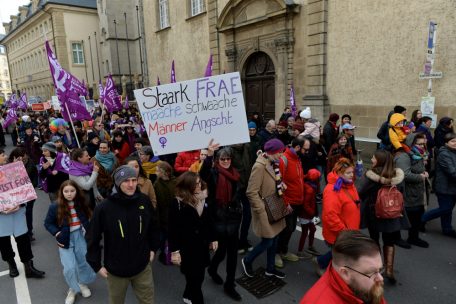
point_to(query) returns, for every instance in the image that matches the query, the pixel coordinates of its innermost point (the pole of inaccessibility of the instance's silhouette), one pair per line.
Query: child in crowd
(398, 132)
(311, 185)
(67, 220)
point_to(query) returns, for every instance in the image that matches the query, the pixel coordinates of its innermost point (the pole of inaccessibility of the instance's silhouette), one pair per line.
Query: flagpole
(72, 125)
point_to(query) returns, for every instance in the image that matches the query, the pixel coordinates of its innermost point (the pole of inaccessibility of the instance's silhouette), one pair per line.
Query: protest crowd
(195, 208)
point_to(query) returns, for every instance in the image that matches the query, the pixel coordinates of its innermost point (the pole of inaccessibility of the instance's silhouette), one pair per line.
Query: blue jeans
(75, 267)
(444, 211)
(266, 244)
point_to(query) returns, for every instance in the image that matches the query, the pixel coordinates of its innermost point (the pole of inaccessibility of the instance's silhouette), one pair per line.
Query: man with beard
(354, 276)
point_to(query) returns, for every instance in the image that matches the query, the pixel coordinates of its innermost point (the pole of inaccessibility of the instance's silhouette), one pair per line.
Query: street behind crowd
(424, 275)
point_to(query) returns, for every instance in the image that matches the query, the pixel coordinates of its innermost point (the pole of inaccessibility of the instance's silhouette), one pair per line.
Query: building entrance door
(259, 83)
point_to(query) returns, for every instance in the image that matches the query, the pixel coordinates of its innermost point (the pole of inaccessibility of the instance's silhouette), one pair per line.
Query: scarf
(278, 176)
(106, 160)
(418, 153)
(224, 190)
(149, 167)
(79, 169)
(340, 182)
(334, 126)
(51, 160)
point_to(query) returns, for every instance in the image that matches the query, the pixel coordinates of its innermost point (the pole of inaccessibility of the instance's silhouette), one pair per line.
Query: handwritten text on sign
(15, 186)
(185, 115)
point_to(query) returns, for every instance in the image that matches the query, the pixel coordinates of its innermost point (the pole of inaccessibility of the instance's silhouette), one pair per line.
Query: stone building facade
(351, 56)
(66, 24)
(5, 83)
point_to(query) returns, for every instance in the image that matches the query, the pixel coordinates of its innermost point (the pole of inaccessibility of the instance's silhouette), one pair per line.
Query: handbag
(275, 208)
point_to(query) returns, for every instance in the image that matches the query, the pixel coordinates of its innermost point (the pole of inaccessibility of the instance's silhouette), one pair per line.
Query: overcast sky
(8, 8)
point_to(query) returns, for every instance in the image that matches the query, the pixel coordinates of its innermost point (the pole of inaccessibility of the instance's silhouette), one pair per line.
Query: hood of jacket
(395, 118)
(386, 181)
(409, 139)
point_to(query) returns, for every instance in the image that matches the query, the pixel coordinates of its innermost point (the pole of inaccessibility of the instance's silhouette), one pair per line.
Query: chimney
(6, 26)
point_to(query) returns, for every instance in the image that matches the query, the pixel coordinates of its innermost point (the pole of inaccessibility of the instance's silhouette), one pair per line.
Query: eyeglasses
(381, 271)
(225, 159)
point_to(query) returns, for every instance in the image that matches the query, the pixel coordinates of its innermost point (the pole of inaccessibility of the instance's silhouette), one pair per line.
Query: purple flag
(68, 87)
(158, 81)
(173, 73)
(111, 97)
(10, 118)
(100, 90)
(22, 103)
(12, 102)
(126, 104)
(292, 102)
(208, 72)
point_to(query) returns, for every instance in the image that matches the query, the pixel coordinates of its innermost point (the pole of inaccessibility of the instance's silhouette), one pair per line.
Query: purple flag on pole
(12, 102)
(111, 97)
(158, 81)
(292, 102)
(126, 104)
(208, 72)
(10, 117)
(22, 104)
(173, 73)
(68, 87)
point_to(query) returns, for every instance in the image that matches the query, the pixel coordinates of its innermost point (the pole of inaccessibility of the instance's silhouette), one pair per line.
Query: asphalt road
(424, 275)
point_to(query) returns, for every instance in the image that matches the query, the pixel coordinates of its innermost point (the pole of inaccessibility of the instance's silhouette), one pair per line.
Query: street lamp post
(117, 46)
(128, 47)
(140, 49)
(98, 59)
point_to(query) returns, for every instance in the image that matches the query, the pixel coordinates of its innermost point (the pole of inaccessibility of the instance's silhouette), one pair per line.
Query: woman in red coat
(119, 146)
(341, 210)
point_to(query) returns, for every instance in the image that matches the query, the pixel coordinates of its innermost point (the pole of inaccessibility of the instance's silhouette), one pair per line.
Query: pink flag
(173, 73)
(158, 81)
(126, 104)
(292, 102)
(10, 118)
(111, 97)
(208, 72)
(68, 87)
(22, 104)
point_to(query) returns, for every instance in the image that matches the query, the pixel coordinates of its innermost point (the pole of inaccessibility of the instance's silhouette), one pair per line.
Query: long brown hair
(384, 166)
(63, 212)
(186, 185)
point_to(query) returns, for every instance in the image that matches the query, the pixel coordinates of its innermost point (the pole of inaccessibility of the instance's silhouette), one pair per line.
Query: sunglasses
(225, 159)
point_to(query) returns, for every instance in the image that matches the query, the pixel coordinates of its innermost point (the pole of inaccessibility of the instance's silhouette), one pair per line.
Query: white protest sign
(185, 115)
(427, 105)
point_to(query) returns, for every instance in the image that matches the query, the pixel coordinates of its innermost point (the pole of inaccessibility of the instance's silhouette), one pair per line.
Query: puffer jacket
(341, 210)
(185, 159)
(445, 171)
(312, 128)
(413, 185)
(293, 177)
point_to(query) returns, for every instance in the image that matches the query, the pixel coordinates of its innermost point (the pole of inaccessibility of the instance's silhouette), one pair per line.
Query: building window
(163, 13)
(78, 57)
(2, 50)
(197, 7)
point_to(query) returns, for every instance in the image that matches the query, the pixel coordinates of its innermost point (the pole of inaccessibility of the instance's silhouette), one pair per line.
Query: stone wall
(376, 49)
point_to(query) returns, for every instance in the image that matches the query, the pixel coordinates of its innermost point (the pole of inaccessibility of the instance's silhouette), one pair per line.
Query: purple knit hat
(274, 146)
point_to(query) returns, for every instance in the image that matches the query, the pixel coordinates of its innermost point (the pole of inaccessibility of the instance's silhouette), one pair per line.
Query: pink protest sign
(15, 186)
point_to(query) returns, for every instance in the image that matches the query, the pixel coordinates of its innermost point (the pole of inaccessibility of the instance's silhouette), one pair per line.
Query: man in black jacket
(127, 222)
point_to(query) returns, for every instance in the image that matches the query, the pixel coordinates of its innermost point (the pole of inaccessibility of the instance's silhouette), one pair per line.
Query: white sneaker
(186, 301)
(316, 220)
(71, 297)
(85, 291)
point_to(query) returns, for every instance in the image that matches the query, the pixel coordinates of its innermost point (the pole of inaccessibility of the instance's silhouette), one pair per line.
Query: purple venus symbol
(163, 141)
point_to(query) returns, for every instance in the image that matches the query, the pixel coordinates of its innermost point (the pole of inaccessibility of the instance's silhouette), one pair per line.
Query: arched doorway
(259, 80)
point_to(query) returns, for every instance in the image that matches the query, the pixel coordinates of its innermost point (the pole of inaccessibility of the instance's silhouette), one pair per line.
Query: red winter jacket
(185, 159)
(330, 288)
(292, 177)
(340, 209)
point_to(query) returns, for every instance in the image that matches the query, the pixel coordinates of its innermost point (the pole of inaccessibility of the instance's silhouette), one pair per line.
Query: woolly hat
(122, 174)
(298, 125)
(56, 139)
(399, 109)
(306, 113)
(147, 150)
(313, 175)
(274, 146)
(91, 136)
(252, 125)
(334, 117)
(50, 146)
(283, 123)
